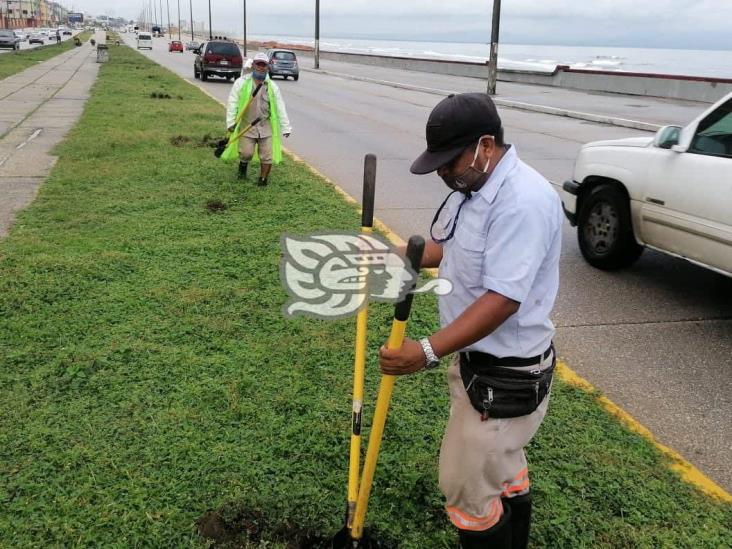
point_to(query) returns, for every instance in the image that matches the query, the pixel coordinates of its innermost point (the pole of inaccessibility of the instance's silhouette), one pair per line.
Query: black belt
(487, 360)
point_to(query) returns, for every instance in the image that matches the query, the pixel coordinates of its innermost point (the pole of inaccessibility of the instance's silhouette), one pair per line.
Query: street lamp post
(191, 5)
(493, 60)
(167, 4)
(317, 34)
(178, 20)
(210, 30)
(244, 26)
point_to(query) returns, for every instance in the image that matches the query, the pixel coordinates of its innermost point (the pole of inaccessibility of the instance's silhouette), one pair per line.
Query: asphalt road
(26, 46)
(655, 338)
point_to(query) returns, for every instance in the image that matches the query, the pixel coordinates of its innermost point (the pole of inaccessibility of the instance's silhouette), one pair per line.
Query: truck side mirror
(667, 137)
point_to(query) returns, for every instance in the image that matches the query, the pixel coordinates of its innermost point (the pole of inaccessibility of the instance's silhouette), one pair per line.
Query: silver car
(9, 40)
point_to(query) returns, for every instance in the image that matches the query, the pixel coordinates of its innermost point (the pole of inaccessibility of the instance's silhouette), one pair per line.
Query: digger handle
(369, 190)
(415, 249)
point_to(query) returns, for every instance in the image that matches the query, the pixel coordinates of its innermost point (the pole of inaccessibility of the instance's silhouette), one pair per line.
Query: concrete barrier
(691, 88)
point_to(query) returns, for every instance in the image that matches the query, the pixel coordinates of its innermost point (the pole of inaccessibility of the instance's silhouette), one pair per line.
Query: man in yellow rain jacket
(269, 108)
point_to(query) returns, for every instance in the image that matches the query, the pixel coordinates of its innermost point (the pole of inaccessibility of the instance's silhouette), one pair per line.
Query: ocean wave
(605, 63)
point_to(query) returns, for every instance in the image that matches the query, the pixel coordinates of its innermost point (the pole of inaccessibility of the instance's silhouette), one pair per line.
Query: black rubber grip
(369, 189)
(415, 249)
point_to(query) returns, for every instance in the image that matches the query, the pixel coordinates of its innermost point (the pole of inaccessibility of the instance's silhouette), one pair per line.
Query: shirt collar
(490, 189)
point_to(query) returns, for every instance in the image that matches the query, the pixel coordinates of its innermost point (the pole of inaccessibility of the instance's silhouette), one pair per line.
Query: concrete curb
(555, 111)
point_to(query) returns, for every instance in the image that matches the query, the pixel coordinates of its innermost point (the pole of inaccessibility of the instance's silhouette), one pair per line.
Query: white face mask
(472, 176)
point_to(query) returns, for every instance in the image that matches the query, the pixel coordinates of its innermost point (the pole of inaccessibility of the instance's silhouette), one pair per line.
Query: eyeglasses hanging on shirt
(471, 179)
(446, 227)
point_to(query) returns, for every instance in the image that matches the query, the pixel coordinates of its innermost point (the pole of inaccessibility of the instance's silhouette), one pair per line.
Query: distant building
(18, 14)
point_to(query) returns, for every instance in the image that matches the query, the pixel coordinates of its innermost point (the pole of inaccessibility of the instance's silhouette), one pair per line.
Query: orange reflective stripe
(476, 524)
(521, 474)
(520, 483)
(516, 487)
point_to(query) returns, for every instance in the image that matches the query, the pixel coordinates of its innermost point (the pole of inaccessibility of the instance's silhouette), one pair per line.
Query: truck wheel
(195, 73)
(295, 78)
(605, 230)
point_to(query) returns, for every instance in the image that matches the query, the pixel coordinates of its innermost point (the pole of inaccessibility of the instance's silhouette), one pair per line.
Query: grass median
(17, 61)
(151, 385)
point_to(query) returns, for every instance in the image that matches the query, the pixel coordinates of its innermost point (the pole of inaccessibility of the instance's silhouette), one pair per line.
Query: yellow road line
(686, 470)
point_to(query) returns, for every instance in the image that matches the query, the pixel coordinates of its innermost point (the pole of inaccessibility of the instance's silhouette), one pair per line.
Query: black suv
(8, 39)
(217, 57)
(283, 63)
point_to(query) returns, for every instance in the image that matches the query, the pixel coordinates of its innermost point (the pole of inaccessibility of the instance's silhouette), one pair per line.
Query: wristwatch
(432, 360)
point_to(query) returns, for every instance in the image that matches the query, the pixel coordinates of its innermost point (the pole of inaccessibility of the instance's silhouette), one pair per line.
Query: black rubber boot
(243, 170)
(497, 536)
(262, 182)
(520, 520)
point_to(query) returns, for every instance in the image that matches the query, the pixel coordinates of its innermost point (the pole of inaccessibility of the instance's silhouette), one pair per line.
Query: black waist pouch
(501, 392)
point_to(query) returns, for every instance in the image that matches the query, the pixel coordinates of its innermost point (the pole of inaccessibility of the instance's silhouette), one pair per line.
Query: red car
(175, 45)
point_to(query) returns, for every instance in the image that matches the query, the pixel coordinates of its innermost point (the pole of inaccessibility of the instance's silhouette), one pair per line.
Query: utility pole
(167, 4)
(178, 20)
(317, 34)
(493, 60)
(244, 26)
(210, 30)
(191, 5)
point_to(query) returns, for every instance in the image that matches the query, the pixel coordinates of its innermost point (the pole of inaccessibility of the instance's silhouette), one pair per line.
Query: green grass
(17, 61)
(147, 374)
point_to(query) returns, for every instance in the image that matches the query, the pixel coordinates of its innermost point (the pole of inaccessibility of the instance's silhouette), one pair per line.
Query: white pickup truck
(671, 192)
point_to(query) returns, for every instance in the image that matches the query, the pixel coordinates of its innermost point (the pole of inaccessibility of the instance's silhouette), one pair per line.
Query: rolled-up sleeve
(516, 245)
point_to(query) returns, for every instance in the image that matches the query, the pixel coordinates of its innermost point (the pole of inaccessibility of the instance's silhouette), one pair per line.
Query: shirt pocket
(470, 244)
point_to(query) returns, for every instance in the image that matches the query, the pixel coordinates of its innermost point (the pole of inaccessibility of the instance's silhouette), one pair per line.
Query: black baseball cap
(456, 122)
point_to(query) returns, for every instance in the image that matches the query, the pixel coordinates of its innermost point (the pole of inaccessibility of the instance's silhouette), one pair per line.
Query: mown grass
(17, 61)
(148, 374)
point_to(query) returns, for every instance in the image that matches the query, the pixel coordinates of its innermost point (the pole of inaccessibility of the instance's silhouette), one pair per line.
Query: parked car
(175, 45)
(671, 192)
(35, 38)
(144, 40)
(283, 63)
(192, 45)
(217, 57)
(9, 40)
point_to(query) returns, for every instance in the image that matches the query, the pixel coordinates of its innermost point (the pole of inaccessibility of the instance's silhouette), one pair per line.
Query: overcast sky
(651, 23)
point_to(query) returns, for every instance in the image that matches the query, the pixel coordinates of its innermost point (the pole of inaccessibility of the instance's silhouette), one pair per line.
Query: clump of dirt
(215, 206)
(248, 527)
(161, 95)
(209, 140)
(179, 140)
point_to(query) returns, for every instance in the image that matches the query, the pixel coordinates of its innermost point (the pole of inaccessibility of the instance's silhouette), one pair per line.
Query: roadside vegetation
(151, 386)
(17, 61)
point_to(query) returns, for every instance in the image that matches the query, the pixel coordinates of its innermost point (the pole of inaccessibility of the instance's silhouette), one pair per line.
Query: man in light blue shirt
(497, 238)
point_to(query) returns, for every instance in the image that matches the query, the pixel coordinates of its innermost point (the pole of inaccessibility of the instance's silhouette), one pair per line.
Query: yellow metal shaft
(396, 338)
(359, 373)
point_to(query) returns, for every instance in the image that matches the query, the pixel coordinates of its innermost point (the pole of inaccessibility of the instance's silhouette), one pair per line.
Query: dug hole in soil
(249, 528)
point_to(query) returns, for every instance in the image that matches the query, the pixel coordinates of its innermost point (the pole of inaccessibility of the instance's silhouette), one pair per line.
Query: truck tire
(605, 231)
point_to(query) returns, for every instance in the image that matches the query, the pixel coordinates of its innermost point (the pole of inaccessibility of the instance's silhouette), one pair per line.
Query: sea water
(709, 63)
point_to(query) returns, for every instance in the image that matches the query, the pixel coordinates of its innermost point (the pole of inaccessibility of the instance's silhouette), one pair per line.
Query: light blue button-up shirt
(508, 240)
